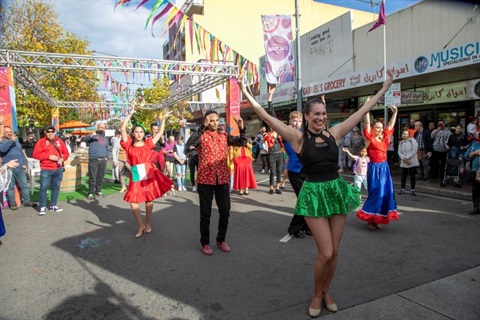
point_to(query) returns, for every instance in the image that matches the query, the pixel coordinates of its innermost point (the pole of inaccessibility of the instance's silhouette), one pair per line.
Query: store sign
(357, 79)
(393, 95)
(449, 58)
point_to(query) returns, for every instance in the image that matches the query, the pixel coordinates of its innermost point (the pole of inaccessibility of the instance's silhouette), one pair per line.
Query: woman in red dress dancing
(243, 177)
(147, 183)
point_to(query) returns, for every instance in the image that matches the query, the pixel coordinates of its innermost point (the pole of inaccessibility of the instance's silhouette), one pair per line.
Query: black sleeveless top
(319, 160)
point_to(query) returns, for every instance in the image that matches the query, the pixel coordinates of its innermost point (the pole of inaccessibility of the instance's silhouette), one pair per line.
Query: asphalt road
(84, 262)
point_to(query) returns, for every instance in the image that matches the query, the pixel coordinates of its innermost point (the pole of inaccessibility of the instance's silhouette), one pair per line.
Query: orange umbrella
(81, 132)
(73, 124)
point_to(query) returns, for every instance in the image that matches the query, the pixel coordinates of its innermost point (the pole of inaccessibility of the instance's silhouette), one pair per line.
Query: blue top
(97, 146)
(475, 163)
(293, 163)
(12, 150)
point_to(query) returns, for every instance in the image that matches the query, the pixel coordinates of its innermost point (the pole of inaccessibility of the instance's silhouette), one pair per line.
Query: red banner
(232, 108)
(7, 98)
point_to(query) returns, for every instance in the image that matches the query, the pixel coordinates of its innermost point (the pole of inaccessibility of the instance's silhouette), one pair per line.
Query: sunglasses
(50, 131)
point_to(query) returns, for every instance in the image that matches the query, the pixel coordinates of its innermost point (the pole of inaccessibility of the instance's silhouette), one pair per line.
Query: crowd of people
(304, 150)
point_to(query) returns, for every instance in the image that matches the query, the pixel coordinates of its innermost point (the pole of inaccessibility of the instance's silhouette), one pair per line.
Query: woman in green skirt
(325, 198)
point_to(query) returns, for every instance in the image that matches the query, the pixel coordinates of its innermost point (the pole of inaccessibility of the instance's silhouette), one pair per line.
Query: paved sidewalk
(453, 297)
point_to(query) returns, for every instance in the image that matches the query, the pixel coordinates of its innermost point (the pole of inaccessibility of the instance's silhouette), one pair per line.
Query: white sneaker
(42, 211)
(263, 171)
(194, 189)
(55, 209)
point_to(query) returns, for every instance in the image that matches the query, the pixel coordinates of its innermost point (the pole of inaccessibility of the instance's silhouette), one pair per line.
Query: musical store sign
(357, 79)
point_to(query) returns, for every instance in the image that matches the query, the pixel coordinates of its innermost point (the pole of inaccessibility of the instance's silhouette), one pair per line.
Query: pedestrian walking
(380, 206)
(147, 182)
(325, 198)
(52, 152)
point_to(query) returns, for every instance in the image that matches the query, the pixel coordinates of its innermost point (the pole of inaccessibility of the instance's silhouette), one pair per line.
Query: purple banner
(278, 39)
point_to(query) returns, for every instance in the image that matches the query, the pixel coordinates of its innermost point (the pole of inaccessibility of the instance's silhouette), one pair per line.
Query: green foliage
(158, 92)
(32, 25)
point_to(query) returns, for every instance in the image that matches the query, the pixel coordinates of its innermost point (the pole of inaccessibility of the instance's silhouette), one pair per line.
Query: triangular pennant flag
(381, 17)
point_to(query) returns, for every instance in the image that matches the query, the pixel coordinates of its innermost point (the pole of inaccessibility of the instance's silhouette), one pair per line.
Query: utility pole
(298, 60)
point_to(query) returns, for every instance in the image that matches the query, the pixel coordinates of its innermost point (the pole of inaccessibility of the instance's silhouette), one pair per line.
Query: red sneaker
(207, 250)
(223, 246)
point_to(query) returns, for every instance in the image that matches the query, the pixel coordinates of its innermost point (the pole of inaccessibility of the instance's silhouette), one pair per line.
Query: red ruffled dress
(156, 183)
(243, 176)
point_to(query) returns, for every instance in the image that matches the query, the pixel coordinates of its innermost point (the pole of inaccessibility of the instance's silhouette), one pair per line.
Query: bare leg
(136, 213)
(320, 228)
(148, 214)
(337, 226)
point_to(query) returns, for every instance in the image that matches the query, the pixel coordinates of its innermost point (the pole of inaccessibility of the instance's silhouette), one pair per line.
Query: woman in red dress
(243, 177)
(147, 183)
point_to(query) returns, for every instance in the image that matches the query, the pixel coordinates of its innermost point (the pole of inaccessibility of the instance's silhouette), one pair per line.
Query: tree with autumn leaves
(158, 92)
(31, 25)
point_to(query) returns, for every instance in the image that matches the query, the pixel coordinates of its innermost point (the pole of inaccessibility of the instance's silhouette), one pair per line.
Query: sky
(121, 32)
(391, 6)
(118, 32)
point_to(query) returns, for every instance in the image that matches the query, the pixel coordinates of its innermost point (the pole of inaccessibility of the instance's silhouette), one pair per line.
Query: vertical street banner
(278, 40)
(8, 108)
(232, 107)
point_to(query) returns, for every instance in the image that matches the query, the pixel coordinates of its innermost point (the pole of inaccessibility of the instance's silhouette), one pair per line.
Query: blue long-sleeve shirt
(97, 146)
(12, 150)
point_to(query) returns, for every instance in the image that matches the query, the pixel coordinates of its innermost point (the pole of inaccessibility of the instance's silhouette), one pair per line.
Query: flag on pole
(381, 17)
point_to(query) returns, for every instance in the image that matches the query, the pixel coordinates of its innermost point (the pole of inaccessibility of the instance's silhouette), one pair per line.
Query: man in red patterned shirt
(213, 175)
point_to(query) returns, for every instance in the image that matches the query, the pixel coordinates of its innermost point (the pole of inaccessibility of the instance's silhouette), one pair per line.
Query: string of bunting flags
(215, 50)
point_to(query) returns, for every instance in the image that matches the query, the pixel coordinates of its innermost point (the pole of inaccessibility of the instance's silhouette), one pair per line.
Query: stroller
(453, 167)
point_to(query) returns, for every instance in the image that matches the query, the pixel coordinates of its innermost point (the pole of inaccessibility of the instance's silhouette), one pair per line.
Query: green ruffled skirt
(324, 199)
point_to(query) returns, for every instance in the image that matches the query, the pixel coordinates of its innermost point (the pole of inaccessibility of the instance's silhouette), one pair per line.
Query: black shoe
(402, 191)
(299, 234)
(117, 182)
(271, 191)
(308, 233)
(278, 191)
(31, 204)
(474, 212)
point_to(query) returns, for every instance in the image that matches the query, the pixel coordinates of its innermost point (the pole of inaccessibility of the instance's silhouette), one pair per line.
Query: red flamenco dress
(243, 176)
(155, 184)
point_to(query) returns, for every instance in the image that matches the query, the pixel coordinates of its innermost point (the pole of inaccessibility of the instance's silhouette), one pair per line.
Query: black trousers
(265, 162)
(475, 188)
(96, 173)
(192, 165)
(222, 198)
(298, 222)
(437, 164)
(406, 171)
(276, 163)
